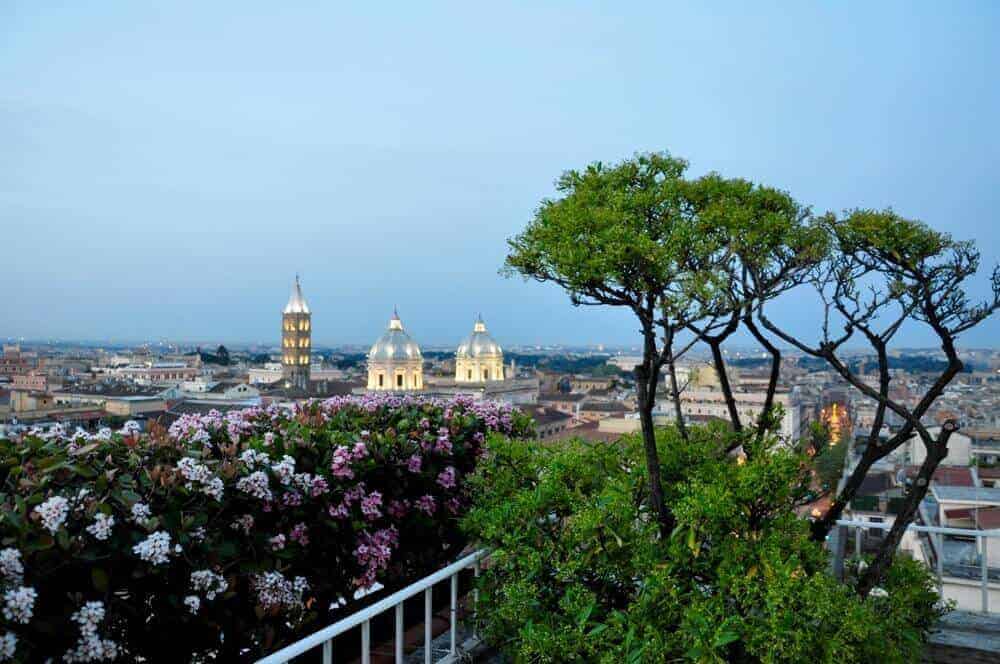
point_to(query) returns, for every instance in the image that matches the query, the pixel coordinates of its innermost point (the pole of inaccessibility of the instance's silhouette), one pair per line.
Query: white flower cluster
(101, 528)
(53, 513)
(198, 473)
(208, 582)
(192, 603)
(252, 458)
(90, 647)
(199, 534)
(141, 513)
(79, 501)
(303, 481)
(55, 432)
(11, 567)
(154, 549)
(130, 428)
(243, 523)
(8, 646)
(256, 484)
(285, 470)
(275, 591)
(103, 434)
(19, 604)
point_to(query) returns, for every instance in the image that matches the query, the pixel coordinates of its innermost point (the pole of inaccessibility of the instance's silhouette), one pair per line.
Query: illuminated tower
(296, 339)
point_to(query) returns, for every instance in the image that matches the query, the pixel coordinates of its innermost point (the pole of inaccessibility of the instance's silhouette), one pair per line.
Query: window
(399, 380)
(381, 380)
(470, 374)
(486, 374)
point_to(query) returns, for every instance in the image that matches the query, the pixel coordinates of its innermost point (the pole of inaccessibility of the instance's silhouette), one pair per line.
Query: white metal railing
(942, 569)
(395, 601)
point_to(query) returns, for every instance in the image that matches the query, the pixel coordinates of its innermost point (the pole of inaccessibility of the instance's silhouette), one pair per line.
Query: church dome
(395, 345)
(479, 343)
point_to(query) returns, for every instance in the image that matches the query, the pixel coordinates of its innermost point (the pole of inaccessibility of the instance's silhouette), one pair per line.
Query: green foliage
(579, 572)
(828, 458)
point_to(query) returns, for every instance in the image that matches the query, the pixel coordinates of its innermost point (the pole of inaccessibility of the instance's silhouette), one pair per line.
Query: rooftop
(561, 396)
(947, 475)
(965, 494)
(543, 415)
(588, 432)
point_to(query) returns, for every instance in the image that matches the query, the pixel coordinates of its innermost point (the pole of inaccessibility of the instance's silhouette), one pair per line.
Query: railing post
(984, 573)
(475, 600)
(428, 594)
(939, 554)
(328, 651)
(454, 614)
(366, 642)
(857, 543)
(399, 633)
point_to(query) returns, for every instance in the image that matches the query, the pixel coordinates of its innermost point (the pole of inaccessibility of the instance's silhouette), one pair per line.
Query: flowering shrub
(227, 536)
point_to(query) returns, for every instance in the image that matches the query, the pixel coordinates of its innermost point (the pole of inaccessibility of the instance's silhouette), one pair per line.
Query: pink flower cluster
(446, 478)
(340, 465)
(373, 553)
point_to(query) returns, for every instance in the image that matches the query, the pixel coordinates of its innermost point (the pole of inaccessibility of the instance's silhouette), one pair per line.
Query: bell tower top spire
(296, 301)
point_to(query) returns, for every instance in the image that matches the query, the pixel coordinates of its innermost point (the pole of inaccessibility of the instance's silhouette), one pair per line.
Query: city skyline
(157, 188)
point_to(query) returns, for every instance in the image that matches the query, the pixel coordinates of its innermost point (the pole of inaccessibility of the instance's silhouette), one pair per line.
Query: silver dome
(479, 343)
(395, 345)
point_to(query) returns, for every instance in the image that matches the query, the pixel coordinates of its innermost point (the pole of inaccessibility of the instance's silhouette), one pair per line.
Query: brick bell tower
(296, 339)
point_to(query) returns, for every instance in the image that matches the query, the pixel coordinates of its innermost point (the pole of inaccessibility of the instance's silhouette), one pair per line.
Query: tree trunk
(936, 452)
(727, 390)
(646, 375)
(772, 382)
(675, 394)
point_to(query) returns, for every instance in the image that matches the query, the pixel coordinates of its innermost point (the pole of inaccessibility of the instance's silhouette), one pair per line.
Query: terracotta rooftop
(947, 475)
(543, 415)
(985, 518)
(587, 432)
(560, 396)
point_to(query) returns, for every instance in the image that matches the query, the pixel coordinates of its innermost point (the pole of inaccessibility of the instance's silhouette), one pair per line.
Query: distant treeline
(750, 362)
(909, 363)
(593, 366)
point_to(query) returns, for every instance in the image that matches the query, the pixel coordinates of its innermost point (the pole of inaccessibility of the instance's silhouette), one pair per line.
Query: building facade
(703, 403)
(296, 338)
(155, 373)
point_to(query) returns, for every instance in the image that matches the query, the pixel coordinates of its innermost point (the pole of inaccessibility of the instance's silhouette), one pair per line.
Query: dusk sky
(167, 168)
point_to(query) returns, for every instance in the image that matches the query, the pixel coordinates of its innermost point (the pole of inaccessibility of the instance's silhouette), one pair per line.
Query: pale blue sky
(166, 168)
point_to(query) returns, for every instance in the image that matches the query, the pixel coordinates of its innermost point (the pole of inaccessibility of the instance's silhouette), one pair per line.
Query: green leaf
(100, 579)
